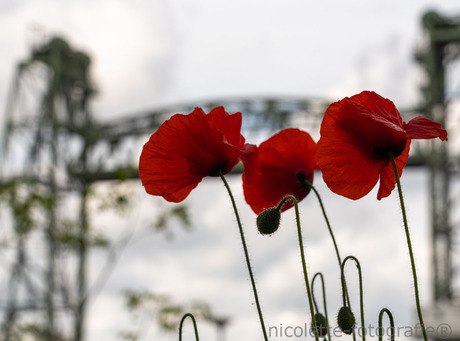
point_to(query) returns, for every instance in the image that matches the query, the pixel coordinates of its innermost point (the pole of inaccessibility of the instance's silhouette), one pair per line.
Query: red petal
(294, 147)
(363, 127)
(423, 128)
(356, 135)
(272, 170)
(181, 152)
(346, 157)
(387, 177)
(229, 125)
(249, 156)
(379, 106)
(346, 170)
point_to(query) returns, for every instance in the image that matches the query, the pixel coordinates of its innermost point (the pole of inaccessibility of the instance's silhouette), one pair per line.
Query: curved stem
(392, 324)
(246, 254)
(304, 264)
(361, 299)
(409, 245)
(194, 326)
(320, 275)
(329, 227)
(310, 185)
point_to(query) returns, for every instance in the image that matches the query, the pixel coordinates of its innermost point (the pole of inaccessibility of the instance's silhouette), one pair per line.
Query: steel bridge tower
(438, 57)
(443, 46)
(46, 136)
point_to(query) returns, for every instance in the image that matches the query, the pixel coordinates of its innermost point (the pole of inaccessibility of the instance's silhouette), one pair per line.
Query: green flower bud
(268, 221)
(346, 320)
(321, 324)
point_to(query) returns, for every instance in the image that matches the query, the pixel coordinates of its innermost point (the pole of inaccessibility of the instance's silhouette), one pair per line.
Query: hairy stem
(246, 254)
(409, 245)
(329, 227)
(361, 292)
(310, 185)
(320, 275)
(304, 264)
(392, 324)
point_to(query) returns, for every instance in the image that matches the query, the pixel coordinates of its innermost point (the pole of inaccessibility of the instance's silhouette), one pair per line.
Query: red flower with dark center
(357, 135)
(186, 148)
(278, 167)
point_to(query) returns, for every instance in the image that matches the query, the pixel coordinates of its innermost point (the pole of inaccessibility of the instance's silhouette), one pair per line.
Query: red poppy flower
(357, 134)
(278, 167)
(186, 148)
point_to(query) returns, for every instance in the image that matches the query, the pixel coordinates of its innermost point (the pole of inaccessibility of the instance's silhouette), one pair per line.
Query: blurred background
(86, 254)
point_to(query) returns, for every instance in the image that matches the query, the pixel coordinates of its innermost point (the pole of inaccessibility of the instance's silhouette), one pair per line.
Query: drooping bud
(268, 221)
(321, 324)
(346, 320)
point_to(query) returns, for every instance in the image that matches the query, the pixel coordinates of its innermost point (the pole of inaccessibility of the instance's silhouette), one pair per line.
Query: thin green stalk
(329, 227)
(194, 326)
(310, 185)
(392, 324)
(302, 256)
(246, 254)
(320, 275)
(409, 245)
(361, 298)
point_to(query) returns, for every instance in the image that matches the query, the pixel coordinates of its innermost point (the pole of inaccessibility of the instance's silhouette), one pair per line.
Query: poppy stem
(246, 254)
(304, 264)
(194, 326)
(329, 227)
(392, 324)
(310, 185)
(409, 245)
(361, 292)
(320, 275)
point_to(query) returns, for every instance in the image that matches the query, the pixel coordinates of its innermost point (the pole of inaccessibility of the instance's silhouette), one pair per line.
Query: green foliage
(145, 306)
(180, 212)
(33, 331)
(70, 237)
(25, 199)
(125, 173)
(128, 336)
(118, 198)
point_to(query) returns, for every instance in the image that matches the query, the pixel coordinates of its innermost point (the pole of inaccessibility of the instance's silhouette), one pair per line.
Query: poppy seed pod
(268, 221)
(346, 320)
(321, 324)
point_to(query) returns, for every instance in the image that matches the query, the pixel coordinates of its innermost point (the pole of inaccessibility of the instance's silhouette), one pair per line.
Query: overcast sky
(148, 53)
